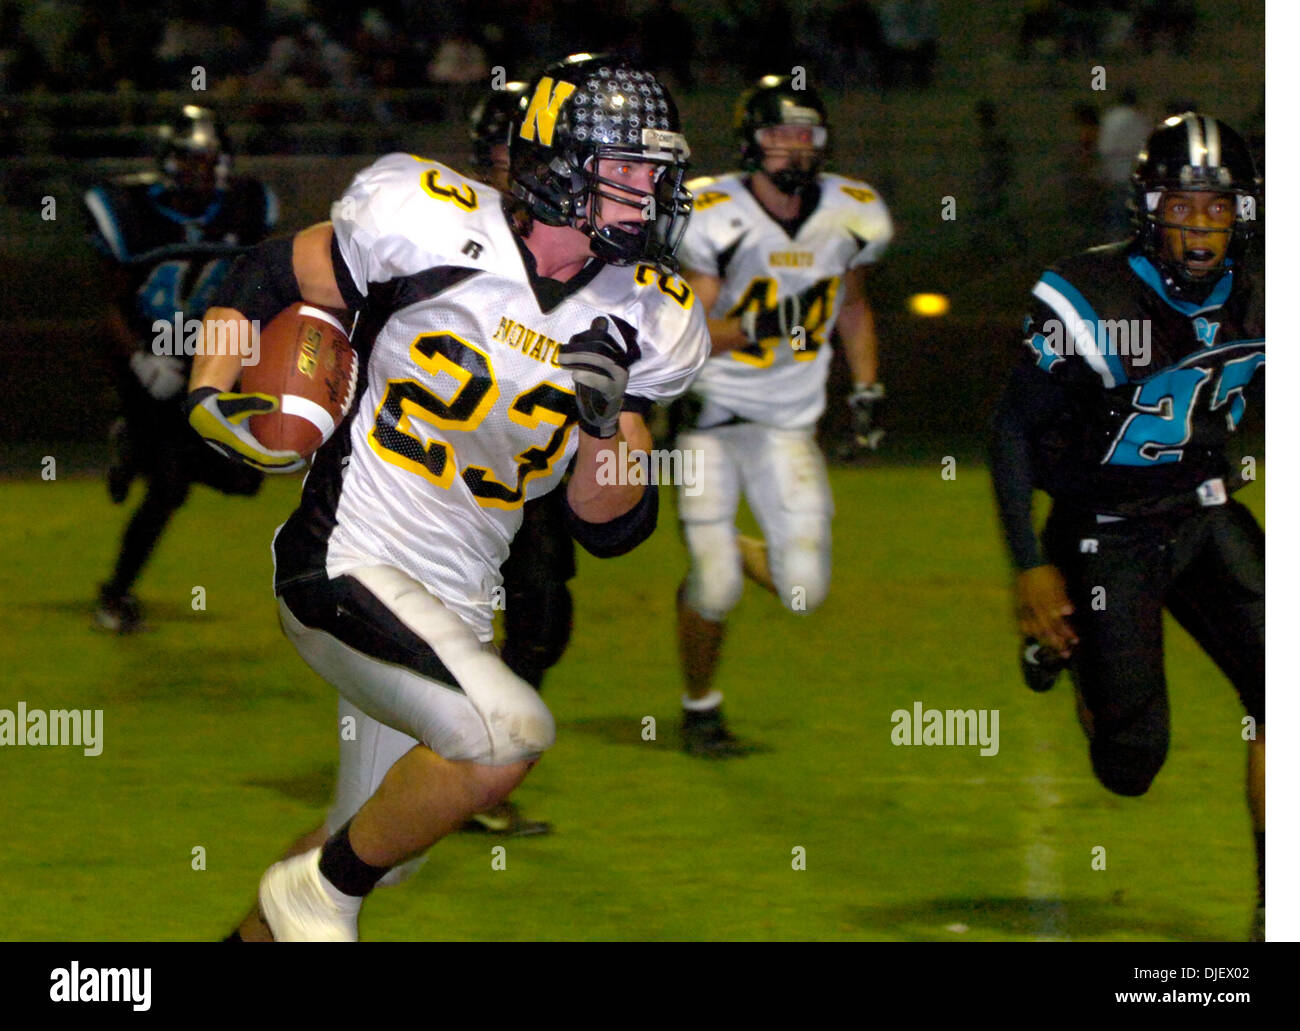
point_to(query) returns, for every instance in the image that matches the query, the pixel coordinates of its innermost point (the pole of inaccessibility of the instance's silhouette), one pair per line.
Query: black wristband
(622, 533)
(262, 283)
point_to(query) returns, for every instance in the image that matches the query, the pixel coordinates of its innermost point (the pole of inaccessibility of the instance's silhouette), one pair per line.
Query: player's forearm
(726, 335)
(219, 370)
(598, 491)
(1010, 461)
(857, 327)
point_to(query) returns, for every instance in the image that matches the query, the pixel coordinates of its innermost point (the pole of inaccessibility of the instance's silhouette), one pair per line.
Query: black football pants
(170, 456)
(539, 608)
(1207, 569)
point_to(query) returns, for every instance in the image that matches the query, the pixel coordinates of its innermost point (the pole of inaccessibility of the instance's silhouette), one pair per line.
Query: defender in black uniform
(1140, 357)
(168, 239)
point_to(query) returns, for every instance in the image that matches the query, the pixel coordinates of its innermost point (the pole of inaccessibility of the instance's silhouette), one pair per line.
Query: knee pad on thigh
(515, 722)
(715, 582)
(516, 725)
(400, 656)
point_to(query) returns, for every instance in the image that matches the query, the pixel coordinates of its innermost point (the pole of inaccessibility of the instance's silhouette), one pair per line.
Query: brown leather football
(306, 361)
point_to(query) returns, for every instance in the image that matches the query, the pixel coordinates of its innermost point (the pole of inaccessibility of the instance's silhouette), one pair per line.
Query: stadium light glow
(928, 305)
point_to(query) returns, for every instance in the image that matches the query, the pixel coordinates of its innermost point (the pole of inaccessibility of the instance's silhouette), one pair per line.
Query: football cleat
(705, 736)
(297, 907)
(506, 821)
(118, 613)
(1039, 665)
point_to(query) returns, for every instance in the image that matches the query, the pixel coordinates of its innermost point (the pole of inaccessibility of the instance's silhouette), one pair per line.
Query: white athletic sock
(710, 701)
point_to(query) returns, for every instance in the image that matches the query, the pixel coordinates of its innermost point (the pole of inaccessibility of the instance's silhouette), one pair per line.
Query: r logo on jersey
(544, 110)
(1206, 331)
(1088, 546)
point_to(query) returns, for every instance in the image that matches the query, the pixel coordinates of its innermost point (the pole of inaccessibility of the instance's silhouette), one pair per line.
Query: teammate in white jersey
(778, 255)
(504, 340)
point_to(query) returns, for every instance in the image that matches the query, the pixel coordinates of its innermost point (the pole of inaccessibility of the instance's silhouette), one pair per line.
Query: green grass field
(217, 735)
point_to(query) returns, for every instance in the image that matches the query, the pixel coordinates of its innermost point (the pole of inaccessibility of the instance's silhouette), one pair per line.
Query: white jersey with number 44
(797, 271)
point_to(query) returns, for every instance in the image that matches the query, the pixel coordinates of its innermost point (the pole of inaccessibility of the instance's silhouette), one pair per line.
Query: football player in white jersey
(538, 608)
(504, 339)
(778, 255)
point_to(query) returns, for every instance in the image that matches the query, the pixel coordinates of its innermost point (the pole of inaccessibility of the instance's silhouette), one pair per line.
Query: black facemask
(793, 181)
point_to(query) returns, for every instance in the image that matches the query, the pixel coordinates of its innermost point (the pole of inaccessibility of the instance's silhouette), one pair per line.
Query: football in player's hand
(306, 362)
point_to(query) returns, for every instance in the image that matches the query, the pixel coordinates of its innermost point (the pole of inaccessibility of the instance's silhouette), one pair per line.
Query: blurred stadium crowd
(996, 106)
(74, 45)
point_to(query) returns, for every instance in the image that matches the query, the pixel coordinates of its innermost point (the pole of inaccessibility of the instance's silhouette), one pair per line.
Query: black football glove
(1040, 665)
(598, 358)
(864, 403)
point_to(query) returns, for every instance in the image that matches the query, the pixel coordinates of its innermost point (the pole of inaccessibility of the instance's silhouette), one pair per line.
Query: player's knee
(716, 580)
(523, 732)
(492, 785)
(801, 578)
(1127, 770)
(713, 589)
(516, 725)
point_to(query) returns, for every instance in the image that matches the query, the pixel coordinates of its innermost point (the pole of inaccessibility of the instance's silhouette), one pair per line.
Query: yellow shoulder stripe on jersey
(709, 198)
(544, 110)
(859, 193)
(669, 286)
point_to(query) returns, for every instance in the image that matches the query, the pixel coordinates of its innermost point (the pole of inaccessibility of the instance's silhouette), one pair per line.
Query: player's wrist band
(621, 534)
(262, 283)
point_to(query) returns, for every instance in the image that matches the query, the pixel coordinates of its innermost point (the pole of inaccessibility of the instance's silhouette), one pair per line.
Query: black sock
(233, 936)
(344, 869)
(1259, 863)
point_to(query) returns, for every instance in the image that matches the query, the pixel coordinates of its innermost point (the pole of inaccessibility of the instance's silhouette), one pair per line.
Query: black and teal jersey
(1128, 395)
(174, 261)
